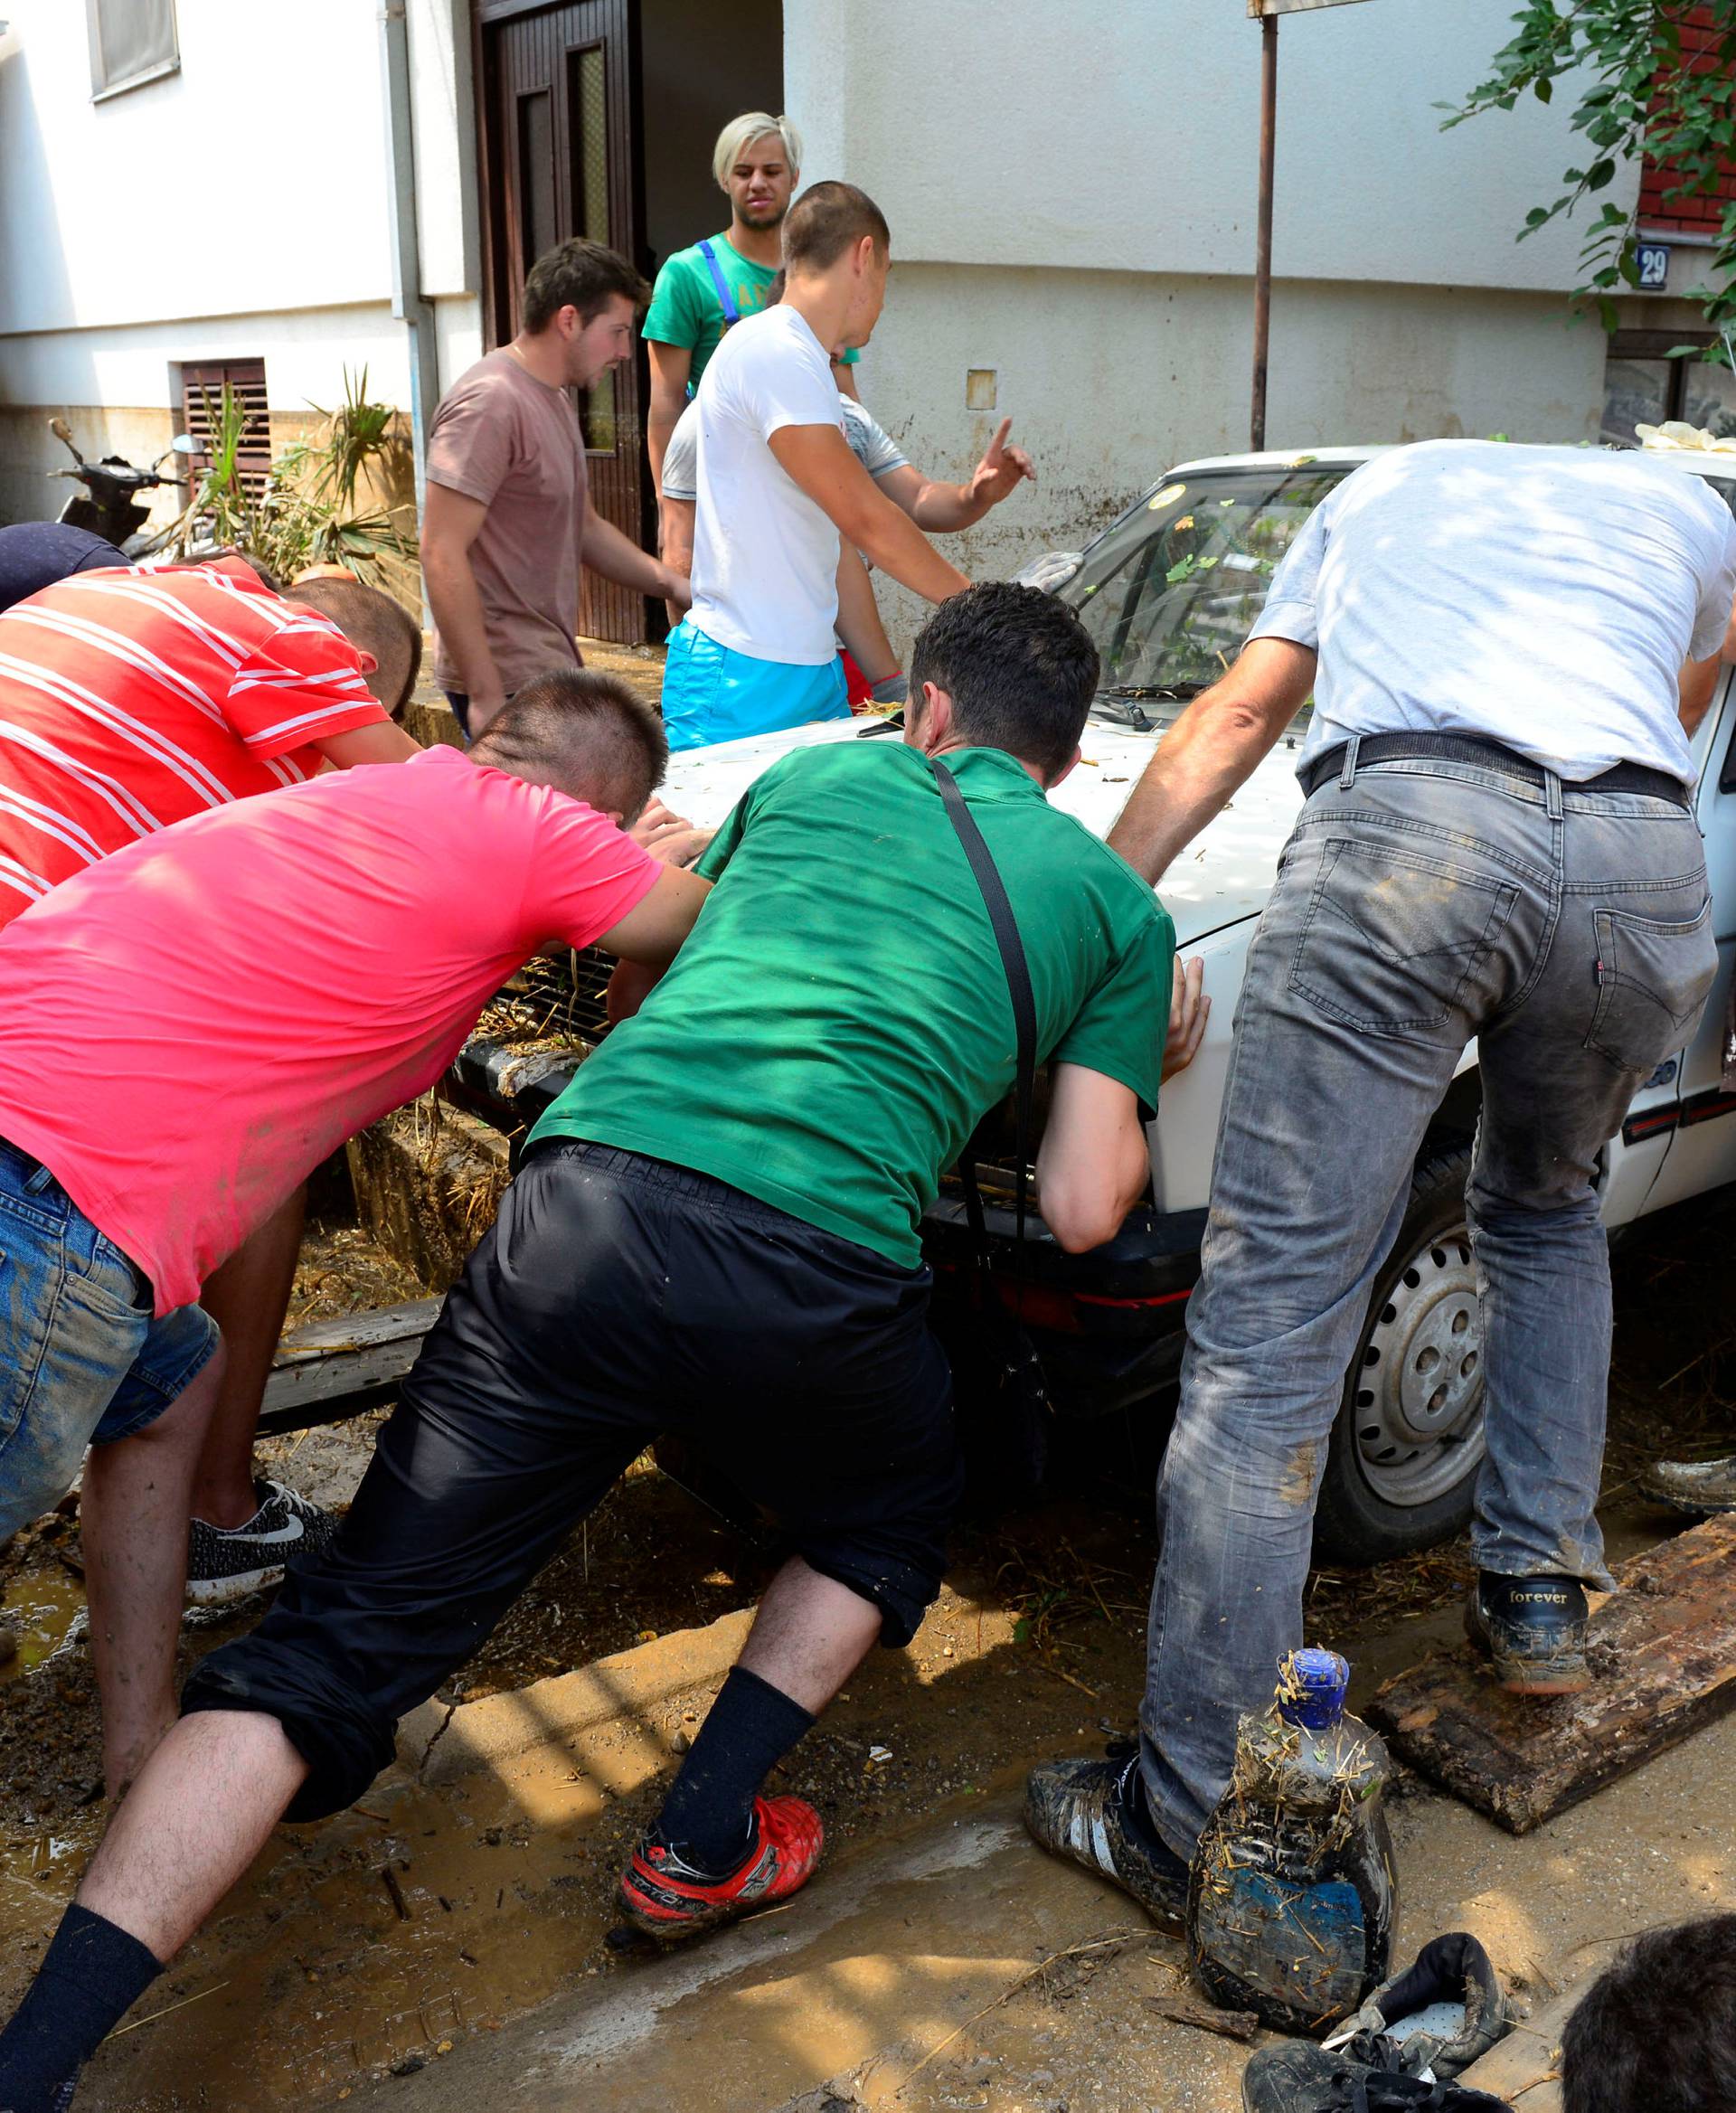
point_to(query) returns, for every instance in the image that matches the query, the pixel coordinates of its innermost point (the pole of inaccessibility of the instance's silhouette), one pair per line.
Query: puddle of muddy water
(41, 1609)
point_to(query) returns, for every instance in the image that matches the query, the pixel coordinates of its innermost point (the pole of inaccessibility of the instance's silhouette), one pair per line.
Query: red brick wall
(1702, 212)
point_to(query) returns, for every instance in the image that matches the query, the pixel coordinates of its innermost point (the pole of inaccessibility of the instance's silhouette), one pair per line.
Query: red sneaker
(669, 1900)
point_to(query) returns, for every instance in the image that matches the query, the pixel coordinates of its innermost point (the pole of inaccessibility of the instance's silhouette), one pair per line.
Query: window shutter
(202, 402)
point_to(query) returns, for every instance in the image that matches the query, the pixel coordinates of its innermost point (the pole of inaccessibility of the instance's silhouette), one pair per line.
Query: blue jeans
(83, 1361)
(711, 692)
(1417, 904)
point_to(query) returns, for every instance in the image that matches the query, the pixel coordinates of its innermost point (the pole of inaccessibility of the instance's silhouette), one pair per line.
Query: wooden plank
(322, 1368)
(1663, 1652)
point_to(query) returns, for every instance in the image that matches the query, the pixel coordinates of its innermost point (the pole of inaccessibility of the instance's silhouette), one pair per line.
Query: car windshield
(1170, 592)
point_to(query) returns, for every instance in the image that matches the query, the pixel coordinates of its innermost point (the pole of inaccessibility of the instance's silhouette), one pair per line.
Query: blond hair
(742, 132)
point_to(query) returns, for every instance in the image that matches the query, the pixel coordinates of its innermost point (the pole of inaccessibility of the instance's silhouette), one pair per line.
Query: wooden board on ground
(333, 1368)
(1663, 1653)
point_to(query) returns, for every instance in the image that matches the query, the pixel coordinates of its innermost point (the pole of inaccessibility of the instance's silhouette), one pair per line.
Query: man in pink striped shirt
(131, 699)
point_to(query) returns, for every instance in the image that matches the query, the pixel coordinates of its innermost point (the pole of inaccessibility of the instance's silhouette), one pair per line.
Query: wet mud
(427, 1916)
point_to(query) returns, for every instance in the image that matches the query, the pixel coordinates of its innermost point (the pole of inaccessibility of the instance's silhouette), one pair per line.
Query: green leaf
(1541, 90)
(1600, 175)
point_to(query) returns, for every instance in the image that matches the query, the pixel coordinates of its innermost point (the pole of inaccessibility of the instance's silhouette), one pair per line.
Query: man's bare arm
(368, 744)
(939, 508)
(1700, 679)
(651, 932)
(1093, 1165)
(1209, 751)
(616, 557)
(670, 366)
(820, 460)
(859, 624)
(451, 522)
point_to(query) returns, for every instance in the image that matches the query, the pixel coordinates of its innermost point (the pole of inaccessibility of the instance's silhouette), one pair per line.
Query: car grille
(560, 995)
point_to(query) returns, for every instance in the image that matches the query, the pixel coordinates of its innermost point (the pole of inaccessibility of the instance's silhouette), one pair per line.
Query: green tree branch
(1645, 92)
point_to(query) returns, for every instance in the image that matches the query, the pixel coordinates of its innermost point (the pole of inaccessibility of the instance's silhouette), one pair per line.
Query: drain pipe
(408, 303)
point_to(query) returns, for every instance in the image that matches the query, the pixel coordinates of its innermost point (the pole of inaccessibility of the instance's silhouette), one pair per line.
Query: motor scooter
(115, 504)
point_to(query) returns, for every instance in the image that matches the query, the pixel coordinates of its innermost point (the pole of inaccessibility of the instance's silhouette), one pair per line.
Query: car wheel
(1408, 1443)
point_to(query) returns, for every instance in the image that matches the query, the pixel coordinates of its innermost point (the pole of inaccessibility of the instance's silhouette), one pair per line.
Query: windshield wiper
(1145, 692)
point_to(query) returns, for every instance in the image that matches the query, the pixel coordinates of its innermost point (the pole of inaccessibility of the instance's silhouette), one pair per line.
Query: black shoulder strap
(1018, 984)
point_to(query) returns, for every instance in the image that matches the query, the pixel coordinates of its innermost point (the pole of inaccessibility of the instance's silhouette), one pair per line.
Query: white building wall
(238, 208)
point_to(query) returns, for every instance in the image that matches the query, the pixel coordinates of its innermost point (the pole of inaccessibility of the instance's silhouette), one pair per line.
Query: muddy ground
(361, 1947)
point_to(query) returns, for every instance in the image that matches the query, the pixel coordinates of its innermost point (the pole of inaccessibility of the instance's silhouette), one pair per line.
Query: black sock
(90, 1975)
(707, 1818)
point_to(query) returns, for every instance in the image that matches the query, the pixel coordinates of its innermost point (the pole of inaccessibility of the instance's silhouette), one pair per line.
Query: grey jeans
(1417, 904)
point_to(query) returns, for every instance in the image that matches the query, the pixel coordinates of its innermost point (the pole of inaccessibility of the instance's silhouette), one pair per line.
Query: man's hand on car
(669, 837)
(1189, 1010)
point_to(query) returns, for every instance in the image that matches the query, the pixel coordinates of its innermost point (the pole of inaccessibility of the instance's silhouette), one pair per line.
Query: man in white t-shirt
(936, 507)
(778, 486)
(1506, 647)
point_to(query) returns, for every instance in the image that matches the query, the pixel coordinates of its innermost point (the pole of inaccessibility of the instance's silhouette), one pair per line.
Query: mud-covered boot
(1534, 1629)
(1093, 1813)
(1701, 1486)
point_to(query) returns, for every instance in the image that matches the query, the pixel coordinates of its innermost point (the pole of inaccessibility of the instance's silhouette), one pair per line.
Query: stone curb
(441, 1741)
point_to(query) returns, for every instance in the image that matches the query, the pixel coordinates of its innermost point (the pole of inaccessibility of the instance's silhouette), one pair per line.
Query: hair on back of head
(1657, 2027)
(378, 625)
(1019, 666)
(740, 133)
(825, 220)
(579, 275)
(583, 733)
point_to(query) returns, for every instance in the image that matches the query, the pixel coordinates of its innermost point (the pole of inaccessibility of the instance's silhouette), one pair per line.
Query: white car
(1169, 592)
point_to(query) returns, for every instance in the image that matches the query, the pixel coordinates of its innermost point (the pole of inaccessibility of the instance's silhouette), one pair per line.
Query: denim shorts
(711, 692)
(83, 1360)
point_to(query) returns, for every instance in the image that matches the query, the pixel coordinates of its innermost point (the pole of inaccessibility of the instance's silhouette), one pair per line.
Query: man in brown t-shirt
(505, 520)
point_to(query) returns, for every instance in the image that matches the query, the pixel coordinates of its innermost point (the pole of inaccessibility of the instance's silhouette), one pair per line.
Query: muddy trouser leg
(1630, 963)
(613, 1300)
(1407, 909)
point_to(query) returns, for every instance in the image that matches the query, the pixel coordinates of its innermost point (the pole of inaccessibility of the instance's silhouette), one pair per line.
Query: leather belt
(1463, 748)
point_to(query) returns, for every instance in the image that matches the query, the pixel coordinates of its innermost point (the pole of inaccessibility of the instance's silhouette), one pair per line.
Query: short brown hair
(579, 275)
(584, 733)
(825, 220)
(375, 622)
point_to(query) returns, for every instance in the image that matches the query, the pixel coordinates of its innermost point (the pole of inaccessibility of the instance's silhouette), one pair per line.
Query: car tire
(1408, 1443)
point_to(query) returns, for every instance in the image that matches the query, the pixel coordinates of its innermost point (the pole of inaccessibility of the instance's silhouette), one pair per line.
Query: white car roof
(1700, 463)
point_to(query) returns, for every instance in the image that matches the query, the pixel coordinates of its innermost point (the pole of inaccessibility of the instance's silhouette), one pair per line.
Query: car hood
(1222, 877)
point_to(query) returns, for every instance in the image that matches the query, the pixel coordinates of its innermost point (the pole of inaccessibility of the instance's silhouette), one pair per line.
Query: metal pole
(409, 304)
(1263, 239)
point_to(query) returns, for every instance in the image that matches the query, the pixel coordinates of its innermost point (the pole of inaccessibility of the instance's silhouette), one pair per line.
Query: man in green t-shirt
(702, 291)
(714, 1234)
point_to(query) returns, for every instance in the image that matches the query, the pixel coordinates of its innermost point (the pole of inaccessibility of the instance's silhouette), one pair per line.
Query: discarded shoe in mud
(1437, 2017)
(1534, 1630)
(1300, 2077)
(1293, 1893)
(1702, 1486)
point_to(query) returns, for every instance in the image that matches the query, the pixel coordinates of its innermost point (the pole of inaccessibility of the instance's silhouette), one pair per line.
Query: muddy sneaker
(669, 1899)
(1300, 2077)
(1534, 1630)
(228, 1563)
(1435, 2019)
(1701, 1486)
(1092, 1812)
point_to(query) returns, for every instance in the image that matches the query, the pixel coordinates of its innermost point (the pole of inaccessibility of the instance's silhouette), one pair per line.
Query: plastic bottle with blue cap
(1294, 1892)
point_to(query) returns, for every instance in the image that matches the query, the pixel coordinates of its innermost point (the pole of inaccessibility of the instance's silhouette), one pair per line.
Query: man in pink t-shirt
(245, 991)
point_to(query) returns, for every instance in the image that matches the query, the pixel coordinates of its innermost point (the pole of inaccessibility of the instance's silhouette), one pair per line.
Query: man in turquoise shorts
(779, 486)
(702, 291)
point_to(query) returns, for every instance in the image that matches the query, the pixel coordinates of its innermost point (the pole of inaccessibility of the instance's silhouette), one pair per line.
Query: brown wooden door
(559, 92)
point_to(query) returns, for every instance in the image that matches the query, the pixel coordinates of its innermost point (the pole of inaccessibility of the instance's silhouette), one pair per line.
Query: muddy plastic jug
(1293, 1898)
